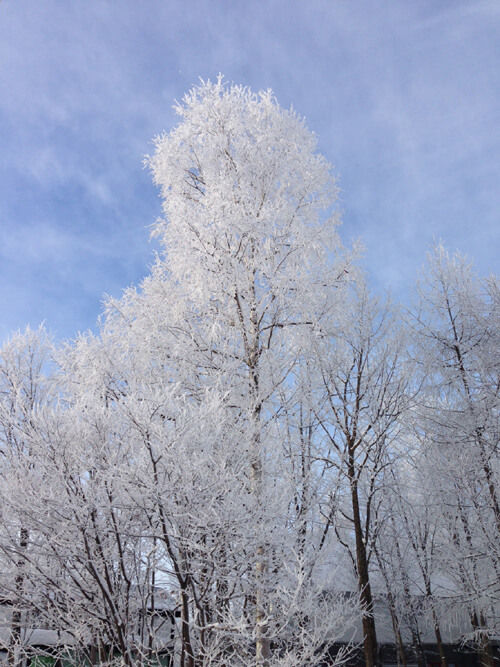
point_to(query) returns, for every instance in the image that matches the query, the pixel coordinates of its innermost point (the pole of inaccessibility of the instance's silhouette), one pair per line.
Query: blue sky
(404, 98)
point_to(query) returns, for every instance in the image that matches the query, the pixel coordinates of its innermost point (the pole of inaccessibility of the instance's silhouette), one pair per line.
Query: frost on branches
(175, 445)
(254, 455)
(254, 265)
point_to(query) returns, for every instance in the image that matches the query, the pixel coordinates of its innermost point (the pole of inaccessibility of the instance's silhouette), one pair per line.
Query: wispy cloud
(403, 97)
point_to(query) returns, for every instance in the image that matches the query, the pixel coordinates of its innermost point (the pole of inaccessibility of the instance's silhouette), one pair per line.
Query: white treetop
(246, 454)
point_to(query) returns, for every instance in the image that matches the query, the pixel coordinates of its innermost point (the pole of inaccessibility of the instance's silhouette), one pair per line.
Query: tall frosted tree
(241, 423)
(456, 326)
(179, 443)
(251, 252)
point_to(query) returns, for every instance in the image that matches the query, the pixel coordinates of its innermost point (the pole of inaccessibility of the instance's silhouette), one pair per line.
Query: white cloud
(403, 97)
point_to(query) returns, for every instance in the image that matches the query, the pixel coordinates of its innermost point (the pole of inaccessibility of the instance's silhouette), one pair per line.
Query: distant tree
(69, 531)
(24, 391)
(366, 391)
(409, 551)
(457, 336)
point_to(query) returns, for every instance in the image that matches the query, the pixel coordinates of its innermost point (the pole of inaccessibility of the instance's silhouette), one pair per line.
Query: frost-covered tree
(252, 272)
(366, 392)
(245, 419)
(409, 550)
(79, 551)
(24, 391)
(457, 336)
(180, 446)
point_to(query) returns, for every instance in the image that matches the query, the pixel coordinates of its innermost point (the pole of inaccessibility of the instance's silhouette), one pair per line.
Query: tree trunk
(263, 643)
(13, 653)
(187, 653)
(437, 629)
(392, 609)
(262, 640)
(418, 649)
(370, 645)
(252, 352)
(484, 649)
(439, 639)
(94, 654)
(477, 431)
(397, 635)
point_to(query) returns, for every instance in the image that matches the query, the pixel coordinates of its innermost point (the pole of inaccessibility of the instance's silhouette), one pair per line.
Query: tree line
(252, 430)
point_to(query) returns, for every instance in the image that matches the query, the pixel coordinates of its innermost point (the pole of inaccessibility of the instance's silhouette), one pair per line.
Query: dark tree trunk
(370, 645)
(187, 653)
(439, 639)
(418, 649)
(484, 649)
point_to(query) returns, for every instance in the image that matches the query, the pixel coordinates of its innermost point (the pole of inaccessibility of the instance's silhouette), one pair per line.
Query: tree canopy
(253, 443)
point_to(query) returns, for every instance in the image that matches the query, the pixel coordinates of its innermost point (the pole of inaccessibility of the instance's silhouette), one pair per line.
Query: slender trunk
(105, 655)
(484, 648)
(370, 645)
(439, 640)
(149, 622)
(478, 430)
(399, 640)
(392, 609)
(187, 653)
(180, 567)
(435, 620)
(262, 640)
(263, 644)
(415, 633)
(250, 334)
(13, 653)
(94, 654)
(221, 591)
(418, 649)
